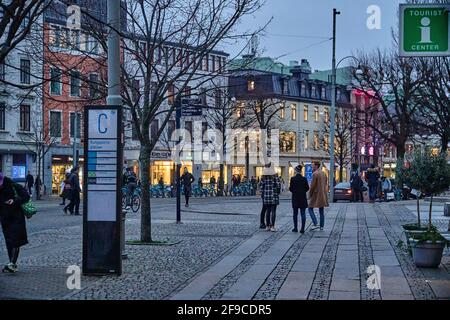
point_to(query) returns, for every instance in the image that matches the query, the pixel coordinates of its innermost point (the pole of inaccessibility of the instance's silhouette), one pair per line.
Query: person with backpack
(12, 218)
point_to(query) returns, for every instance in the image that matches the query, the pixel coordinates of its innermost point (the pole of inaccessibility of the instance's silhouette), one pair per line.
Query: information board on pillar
(102, 165)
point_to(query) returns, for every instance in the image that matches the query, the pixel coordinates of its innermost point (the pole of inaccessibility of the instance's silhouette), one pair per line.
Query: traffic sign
(424, 30)
(191, 107)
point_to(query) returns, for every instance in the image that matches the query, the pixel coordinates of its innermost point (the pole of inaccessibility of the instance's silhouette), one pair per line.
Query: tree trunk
(418, 212)
(401, 150)
(444, 144)
(146, 231)
(429, 213)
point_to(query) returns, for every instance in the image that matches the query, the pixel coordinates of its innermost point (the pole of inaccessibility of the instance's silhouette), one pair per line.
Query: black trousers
(271, 215)
(263, 214)
(74, 205)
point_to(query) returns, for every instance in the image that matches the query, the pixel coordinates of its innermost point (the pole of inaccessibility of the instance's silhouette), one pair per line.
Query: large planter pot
(427, 254)
(410, 233)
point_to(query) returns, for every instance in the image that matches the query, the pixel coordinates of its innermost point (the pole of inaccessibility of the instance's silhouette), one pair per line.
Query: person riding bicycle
(131, 183)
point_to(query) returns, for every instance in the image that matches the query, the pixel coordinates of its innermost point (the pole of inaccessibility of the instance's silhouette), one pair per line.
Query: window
(303, 90)
(75, 39)
(313, 92)
(187, 92)
(154, 128)
(170, 94)
(72, 124)
(135, 92)
(285, 87)
(316, 140)
(2, 116)
(306, 140)
(240, 111)
(287, 142)
(323, 94)
(25, 71)
(55, 124)
(282, 111)
(305, 113)
(326, 142)
(316, 114)
(205, 66)
(2, 71)
(294, 111)
(338, 95)
(218, 98)
(171, 130)
(24, 118)
(93, 86)
(55, 81)
(326, 115)
(250, 85)
(204, 130)
(75, 83)
(55, 36)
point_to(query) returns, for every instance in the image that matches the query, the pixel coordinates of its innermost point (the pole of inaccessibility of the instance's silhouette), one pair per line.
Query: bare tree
(16, 21)
(434, 115)
(344, 131)
(165, 48)
(393, 85)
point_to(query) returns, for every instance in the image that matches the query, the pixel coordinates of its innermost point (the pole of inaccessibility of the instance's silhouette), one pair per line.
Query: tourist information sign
(424, 30)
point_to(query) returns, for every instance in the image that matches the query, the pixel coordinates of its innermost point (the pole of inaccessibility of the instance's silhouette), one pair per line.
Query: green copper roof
(343, 75)
(262, 64)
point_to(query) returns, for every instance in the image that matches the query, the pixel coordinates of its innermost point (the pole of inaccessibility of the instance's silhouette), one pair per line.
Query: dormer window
(285, 87)
(250, 85)
(323, 94)
(303, 90)
(313, 91)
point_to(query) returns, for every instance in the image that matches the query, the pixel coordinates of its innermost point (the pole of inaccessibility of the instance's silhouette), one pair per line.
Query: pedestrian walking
(318, 193)
(356, 184)
(29, 182)
(187, 179)
(372, 177)
(386, 186)
(37, 186)
(66, 192)
(270, 189)
(12, 218)
(74, 205)
(299, 187)
(212, 182)
(200, 182)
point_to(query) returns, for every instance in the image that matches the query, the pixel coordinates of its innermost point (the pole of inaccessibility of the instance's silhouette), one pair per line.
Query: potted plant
(431, 175)
(403, 177)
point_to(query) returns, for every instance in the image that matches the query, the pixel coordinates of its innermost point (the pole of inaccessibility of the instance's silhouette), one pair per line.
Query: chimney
(301, 71)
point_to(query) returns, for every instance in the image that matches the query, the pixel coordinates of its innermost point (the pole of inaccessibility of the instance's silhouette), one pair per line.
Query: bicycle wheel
(135, 203)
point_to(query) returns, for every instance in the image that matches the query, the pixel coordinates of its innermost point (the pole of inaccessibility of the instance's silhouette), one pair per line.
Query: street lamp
(333, 102)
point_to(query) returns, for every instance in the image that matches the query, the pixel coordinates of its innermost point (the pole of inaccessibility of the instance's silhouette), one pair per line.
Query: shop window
(19, 166)
(154, 128)
(288, 142)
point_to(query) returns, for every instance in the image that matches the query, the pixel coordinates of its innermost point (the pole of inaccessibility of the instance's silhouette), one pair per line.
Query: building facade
(302, 116)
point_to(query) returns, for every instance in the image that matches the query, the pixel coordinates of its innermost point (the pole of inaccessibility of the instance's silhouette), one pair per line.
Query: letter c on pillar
(100, 129)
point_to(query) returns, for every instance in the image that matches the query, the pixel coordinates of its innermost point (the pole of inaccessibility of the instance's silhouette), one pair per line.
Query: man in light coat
(318, 193)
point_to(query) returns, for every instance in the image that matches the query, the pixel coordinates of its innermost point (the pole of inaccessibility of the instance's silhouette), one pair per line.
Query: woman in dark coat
(299, 186)
(12, 219)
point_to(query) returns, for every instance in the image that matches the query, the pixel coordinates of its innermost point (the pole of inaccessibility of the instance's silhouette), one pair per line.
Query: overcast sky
(300, 29)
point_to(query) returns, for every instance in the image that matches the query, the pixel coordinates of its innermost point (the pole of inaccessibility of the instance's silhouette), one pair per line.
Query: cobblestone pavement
(219, 253)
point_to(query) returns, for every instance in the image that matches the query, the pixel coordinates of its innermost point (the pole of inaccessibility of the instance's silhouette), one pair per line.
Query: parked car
(342, 191)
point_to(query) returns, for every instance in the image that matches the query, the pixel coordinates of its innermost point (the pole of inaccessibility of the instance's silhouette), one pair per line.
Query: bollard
(122, 234)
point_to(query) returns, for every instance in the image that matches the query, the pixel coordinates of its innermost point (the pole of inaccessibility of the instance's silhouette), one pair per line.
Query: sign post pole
(178, 171)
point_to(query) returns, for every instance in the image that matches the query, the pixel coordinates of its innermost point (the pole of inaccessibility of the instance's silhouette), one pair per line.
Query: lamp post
(114, 97)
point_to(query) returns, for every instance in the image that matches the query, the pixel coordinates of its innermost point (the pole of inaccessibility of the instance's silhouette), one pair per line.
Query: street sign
(191, 107)
(102, 193)
(424, 30)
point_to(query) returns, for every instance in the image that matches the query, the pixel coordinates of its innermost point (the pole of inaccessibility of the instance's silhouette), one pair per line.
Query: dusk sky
(300, 29)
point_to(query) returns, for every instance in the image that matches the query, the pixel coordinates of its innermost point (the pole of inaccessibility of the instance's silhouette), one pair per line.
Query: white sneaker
(273, 229)
(268, 228)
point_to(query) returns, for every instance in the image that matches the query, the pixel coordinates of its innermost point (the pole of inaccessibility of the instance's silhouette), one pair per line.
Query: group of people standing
(376, 184)
(270, 186)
